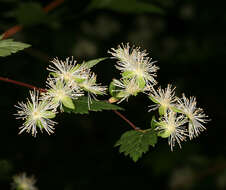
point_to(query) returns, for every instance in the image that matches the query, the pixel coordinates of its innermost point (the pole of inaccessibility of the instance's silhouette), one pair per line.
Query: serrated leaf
(130, 6)
(81, 106)
(30, 13)
(136, 143)
(93, 62)
(7, 47)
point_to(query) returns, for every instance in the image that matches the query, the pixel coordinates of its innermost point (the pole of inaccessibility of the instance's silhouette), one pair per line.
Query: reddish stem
(13, 30)
(44, 90)
(52, 5)
(128, 121)
(22, 84)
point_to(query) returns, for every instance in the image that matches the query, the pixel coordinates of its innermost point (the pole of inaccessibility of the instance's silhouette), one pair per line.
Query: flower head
(127, 88)
(68, 70)
(89, 85)
(195, 115)
(163, 97)
(171, 126)
(61, 93)
(23, 182)
(135, 63)
(37, 114)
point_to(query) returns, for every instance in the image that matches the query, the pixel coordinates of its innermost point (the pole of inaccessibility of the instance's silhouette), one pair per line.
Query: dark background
(187, 40)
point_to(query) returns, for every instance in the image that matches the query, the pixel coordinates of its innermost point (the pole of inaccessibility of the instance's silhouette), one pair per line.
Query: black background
(188, 41)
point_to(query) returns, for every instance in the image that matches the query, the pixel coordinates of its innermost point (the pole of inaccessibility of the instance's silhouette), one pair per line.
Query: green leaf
(67, 102)
(128, 74)
(93, 62)
(1, 36)
(154, 123)
(81, 106)
(141, 82)
(153, 99)
(115, 92)
(175, 109)
(53, 74)
(129, 6)
(112, 89)
(30, 13)
(121, 94)
(7, 47)
(50, 114)
(136, 143)
(79, 80)
(39, 124)
(164, 134)
(162, 110)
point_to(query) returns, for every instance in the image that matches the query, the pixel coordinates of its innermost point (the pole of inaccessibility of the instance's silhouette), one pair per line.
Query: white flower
(37, 114)
(127, 88)
(89, 85)
(23, 182)
(162, 97)
(135, 63)
(195, 115)
(68, 70)
(61, 93)
(171, 126)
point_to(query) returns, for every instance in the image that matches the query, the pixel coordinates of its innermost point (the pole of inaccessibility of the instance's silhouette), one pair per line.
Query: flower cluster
(77, 77)
(67, 81)
(179, 118)
(137, 70)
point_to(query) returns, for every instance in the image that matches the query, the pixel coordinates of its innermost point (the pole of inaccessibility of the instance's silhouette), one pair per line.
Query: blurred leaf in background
(8, 46)
(30, 13)
(125, 6)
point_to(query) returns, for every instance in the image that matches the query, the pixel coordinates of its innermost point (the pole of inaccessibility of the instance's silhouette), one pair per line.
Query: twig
(13, 30)
(128, 121)
(22, 84)
(52, 5)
